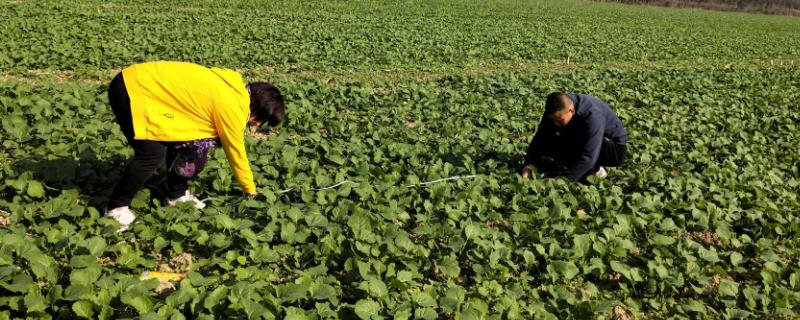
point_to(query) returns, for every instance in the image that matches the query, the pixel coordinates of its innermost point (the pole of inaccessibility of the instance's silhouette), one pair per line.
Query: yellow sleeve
(230, 123)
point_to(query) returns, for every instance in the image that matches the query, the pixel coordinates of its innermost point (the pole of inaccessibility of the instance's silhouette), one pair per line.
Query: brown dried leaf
(498, 223)
(705, 237)
(106, 261)
(586, 294)
(165, 288)
(164, 267)
(182, 262)
(5, 221)
(261, 135)
(620, 313)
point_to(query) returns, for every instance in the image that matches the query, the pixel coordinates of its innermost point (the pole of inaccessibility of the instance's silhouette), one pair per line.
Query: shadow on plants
(94, 178)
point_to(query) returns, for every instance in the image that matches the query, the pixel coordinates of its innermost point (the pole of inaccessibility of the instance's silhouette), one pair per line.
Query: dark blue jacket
(581, 139)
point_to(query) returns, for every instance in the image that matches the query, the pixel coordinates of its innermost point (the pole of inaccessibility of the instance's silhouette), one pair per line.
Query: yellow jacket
(181, 101)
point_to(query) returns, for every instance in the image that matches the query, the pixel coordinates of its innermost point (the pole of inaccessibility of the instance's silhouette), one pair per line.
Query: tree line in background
(781, 7)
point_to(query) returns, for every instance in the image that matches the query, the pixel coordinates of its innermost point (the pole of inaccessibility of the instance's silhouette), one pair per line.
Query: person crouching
(577, 136)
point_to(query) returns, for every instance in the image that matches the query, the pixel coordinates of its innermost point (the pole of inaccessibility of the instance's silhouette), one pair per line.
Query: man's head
(266, 104)
(559, 108)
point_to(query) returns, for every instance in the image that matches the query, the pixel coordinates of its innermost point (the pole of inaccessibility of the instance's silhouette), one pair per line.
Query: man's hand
(526, 173)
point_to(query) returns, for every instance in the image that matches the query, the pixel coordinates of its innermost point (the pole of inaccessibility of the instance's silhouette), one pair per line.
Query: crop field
(392, 191)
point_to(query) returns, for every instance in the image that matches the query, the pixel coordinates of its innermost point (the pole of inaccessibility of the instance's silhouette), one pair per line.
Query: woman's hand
(526, 172)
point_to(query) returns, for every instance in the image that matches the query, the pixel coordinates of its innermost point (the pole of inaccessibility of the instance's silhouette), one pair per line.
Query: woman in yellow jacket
(177, 111)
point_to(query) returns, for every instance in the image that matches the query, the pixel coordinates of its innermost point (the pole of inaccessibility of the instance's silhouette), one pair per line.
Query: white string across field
(339, 184)
(408, 186)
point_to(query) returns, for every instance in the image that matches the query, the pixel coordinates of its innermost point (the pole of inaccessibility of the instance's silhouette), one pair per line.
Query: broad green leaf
(453, 298)
(728, 288)
(736, 258)
(139, 301)
(43, 266)
(225, 221)
(5, 256)
(198, 280)
(264, 254)
(78, 292)
(662, 240)
(693, 306)
(21, 283)
(184, 294)
(214, 298)
(377, 288)
(426, 313)
(449, 266)
(295, 315)
(95, 245)
(291, 292)
(85, 276)
(359, 223)
(35, 189)
(367, 309)
(35, 302)
(405, 276)
(316, 220)
(83, 309)
(402, 315)
(472, 231)
(254, 309)
(83, 261)
(7, 270)
(423, 299)
(566, 269)
(294, 214)
(323, 292)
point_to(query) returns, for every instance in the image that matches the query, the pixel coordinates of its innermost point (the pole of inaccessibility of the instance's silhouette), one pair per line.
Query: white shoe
(123, 215)
(187, 197)
(601, 173)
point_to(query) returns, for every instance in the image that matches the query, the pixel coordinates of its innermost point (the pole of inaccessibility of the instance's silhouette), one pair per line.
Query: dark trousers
(147, 155)
(554, 158)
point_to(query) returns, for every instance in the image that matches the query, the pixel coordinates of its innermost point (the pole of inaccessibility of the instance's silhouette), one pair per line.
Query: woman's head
(266, 104)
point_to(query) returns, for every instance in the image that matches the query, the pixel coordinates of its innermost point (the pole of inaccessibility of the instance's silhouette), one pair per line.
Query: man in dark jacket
(577, 136)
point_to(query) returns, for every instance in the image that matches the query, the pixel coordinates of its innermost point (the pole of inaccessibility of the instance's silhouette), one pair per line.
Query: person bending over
(173, 113)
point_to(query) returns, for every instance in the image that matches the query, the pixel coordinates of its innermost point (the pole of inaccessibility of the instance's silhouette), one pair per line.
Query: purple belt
(192, 156)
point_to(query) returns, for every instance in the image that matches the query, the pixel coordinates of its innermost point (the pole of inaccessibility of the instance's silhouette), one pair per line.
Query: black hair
(266, 103)
(556, 102)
